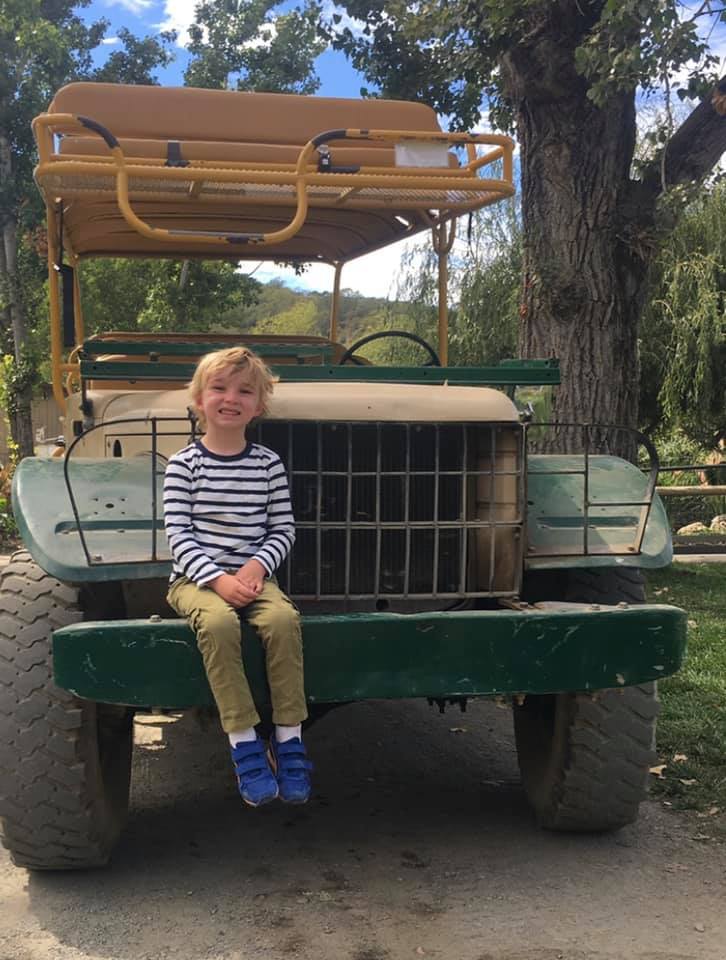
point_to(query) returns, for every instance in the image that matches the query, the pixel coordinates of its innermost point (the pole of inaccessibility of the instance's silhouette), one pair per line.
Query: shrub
(674, 448)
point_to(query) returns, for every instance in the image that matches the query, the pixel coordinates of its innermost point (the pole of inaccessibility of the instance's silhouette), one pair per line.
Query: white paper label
(411, 154)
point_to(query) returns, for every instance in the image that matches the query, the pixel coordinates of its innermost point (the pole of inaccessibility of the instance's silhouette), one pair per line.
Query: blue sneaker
(255, 779)
(292, 769)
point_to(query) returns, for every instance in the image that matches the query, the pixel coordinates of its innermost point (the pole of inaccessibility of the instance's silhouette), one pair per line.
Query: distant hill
(280, 310)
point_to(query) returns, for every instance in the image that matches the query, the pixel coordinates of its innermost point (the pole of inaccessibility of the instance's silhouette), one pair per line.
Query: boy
(230, 525)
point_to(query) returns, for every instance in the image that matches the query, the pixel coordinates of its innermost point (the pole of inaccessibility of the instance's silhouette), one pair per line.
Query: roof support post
(442, 240)
(77, 308)
(56, 342)
(335, 302)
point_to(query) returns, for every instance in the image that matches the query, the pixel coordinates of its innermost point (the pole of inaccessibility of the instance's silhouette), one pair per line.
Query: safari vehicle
(436, 557)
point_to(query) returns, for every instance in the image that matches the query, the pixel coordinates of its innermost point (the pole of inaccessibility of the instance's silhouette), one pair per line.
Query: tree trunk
(583, 278)
(21, 424)
(6, 323)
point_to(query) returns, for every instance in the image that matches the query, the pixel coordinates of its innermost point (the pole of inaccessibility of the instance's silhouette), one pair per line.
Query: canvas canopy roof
(179, 172)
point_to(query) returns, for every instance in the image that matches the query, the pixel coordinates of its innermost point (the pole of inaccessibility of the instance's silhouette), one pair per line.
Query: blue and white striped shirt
(221, 511)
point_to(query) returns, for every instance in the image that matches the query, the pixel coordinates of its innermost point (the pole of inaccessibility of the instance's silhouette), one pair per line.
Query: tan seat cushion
(190, 113)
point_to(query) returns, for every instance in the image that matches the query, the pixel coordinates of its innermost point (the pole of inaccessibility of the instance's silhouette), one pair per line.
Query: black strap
(174, 155)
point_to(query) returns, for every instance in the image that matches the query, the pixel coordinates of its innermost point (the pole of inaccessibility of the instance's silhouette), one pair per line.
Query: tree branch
(696, 146)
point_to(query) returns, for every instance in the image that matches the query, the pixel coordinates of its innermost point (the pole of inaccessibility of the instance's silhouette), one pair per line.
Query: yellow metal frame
(451, 192)
(303, 178)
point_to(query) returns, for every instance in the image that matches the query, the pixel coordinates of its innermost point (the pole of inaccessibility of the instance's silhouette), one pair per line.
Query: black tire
(585, 760)
(65, 763)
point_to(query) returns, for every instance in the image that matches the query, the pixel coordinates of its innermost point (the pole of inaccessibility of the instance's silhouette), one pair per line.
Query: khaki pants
(219, 638)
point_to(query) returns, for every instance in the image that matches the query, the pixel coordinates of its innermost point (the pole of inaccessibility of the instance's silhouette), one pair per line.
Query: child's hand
(252, 575)
(234, 591)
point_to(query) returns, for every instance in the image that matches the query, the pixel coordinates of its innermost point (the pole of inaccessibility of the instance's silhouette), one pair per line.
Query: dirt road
(418, 844)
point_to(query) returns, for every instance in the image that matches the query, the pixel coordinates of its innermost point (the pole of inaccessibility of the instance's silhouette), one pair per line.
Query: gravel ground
(418, 843)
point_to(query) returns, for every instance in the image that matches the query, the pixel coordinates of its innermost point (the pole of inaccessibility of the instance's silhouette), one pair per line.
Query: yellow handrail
(303, 177)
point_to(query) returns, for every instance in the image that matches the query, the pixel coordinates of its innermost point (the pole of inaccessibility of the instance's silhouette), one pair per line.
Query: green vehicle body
(152, 662)
(442, 656)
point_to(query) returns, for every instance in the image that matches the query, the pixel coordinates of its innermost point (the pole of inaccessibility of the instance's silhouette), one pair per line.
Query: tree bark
(585, 262)
(20, 397)
(589, 230)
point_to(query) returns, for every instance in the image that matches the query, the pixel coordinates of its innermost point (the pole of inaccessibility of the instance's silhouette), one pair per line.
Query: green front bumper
(147, 663)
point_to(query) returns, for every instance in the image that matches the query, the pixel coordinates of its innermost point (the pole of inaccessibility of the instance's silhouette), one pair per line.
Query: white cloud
(373, 275)
(178, 15)
(266, 34)
(108, 41)
(133, 6)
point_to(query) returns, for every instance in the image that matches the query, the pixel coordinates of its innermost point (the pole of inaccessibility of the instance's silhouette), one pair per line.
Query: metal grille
(419, 512)
(402, 511)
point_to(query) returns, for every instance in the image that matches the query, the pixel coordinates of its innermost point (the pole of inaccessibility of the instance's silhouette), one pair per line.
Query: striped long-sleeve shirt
(221, 511)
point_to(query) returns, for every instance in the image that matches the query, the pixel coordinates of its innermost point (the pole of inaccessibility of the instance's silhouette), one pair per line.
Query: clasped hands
(242, 587)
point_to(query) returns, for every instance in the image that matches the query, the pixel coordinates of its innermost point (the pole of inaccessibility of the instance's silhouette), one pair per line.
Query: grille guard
(543, 499)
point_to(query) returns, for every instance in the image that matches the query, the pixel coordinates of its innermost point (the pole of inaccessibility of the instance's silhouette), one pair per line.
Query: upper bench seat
(182, 171)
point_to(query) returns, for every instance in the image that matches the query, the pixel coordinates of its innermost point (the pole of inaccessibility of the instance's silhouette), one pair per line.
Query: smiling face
(228, 401)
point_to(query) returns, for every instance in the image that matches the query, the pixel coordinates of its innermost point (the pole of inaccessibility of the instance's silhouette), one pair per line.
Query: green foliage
(161, 295)
(245, 44)
(442, 54)
(683, 352)
(31, 277)
(675, 448)
(484, 288)
(8, 529)
(137, 59)
(272, 300)
(454, 54)
(641, 43)
(43, 46)
(302, 318)
(7, 372)
(136, 295)
(277, 305)
(484, 285)
(489, 279)
(414, 310)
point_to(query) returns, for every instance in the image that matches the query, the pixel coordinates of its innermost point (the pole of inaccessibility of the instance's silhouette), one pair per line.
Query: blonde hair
(236, 359)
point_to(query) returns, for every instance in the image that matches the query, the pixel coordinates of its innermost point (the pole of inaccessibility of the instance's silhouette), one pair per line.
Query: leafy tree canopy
(683, 346)
(44, 45)
(458, 52)
(246, 45)
(161, 295)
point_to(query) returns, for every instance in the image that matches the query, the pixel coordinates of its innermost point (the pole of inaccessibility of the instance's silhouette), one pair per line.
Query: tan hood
(393, 402)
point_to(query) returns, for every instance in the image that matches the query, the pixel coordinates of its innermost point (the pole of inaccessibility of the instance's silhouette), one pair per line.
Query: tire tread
(602, 774)
(46, 799)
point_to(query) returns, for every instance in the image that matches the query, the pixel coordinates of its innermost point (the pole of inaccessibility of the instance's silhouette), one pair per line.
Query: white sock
(287, 733)
(243, 736)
